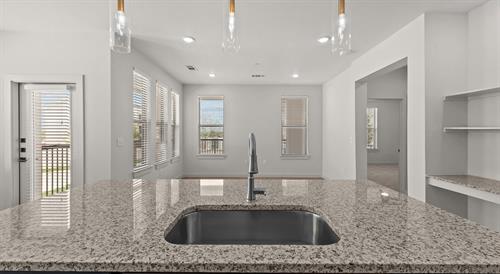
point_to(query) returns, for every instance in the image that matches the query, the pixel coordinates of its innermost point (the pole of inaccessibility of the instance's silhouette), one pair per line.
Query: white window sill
(170, 161)
(211, 157)
(175, 159)
(295, 157)
(141, 171)
(161, 164)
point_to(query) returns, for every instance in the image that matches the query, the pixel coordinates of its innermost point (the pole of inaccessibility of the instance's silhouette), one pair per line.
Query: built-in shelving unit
(468, 185)
(467, 129)
(466, 94)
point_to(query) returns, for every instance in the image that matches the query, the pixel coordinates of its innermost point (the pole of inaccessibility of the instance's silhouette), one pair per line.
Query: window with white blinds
(294, 126)
(175, 124)
(161, 122)
(140, 98)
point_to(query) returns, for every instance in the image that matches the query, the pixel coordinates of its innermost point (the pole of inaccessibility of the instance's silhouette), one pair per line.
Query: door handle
(22, 159)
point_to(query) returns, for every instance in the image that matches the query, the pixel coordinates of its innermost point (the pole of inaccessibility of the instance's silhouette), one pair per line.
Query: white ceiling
(280, 35)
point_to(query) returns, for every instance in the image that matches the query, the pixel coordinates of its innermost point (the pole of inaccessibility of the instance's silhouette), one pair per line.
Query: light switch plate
(120, 142)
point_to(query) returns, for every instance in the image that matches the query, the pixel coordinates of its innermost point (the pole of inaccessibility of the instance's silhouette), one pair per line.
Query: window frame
(149, 137)
(306, 155)
(375, 129)
(211, 156)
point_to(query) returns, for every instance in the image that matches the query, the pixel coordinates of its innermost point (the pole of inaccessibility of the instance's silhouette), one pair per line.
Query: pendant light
(230, 39)
(341, 38)
(120, 34)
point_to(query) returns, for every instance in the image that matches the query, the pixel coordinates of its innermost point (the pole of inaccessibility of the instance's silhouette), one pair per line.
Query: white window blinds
(294, 125)
(175, 124)
(52, 140)
(161, 122)
(140, 97)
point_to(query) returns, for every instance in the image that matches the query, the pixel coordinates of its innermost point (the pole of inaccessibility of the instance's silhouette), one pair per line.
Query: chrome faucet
(252, 169)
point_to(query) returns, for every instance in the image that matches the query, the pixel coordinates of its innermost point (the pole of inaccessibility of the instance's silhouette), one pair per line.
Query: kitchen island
(119, 226)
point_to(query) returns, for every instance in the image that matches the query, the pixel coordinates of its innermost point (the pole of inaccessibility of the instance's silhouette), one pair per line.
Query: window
(161, 122)
(371, 128)
(211, 125)
(174, 124)
(294, 126)
(140, 98)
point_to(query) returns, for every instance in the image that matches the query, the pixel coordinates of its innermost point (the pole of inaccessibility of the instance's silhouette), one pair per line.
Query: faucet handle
(260, 191)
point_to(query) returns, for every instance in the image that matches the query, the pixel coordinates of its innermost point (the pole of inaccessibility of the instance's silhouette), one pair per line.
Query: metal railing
(212, 146)
(55, 168)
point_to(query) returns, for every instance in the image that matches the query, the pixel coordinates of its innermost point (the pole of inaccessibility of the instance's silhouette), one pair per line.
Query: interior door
(45, 140)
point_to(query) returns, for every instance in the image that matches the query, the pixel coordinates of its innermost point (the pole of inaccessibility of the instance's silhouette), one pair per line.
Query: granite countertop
(479, 183)
(119, 226)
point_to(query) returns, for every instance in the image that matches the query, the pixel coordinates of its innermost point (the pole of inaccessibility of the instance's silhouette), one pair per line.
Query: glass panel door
(45, 141)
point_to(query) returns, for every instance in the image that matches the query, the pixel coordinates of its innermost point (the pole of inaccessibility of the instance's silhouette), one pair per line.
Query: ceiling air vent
(191, 68)
(258, 76)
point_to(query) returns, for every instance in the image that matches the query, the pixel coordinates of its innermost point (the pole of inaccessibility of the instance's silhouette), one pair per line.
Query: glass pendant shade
(120, 34)
(341, 37)
(230, 36)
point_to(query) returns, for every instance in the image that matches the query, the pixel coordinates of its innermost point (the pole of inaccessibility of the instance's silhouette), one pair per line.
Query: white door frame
(8, 136)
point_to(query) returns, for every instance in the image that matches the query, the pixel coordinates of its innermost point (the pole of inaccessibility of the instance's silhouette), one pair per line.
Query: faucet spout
(252, 154)
(252, 169)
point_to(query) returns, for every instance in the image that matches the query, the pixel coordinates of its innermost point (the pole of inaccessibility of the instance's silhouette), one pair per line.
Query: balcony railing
(55, 168)
(213, 146)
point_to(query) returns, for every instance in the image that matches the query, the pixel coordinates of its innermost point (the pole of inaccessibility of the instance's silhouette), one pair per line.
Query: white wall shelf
(464, 189)
(466, 94)
(467, 129)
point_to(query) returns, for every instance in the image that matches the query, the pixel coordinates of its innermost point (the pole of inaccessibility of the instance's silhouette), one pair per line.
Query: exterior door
(45, 141)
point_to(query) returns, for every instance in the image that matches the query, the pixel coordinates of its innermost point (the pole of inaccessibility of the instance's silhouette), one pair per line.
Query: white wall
(484, 71)
(5, 187)
(251, 108)
(391, 85)
(446, 73)
(37, 40)
(339, 93)
(446, 68)
(122, 67)
(339, 139)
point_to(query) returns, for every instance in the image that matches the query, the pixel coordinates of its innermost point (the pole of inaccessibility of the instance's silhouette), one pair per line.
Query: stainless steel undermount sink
(251, 227)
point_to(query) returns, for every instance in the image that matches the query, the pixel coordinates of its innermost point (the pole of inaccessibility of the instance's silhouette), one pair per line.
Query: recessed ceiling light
(295, 75)
(324, 39)
(384, 194)
(211, 75)
(188, 39)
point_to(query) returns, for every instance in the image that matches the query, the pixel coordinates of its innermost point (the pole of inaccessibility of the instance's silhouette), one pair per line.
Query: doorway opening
(381, 127)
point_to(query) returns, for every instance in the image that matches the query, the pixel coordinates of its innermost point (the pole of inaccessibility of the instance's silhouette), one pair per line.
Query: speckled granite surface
(119, 226)
(478, 183)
